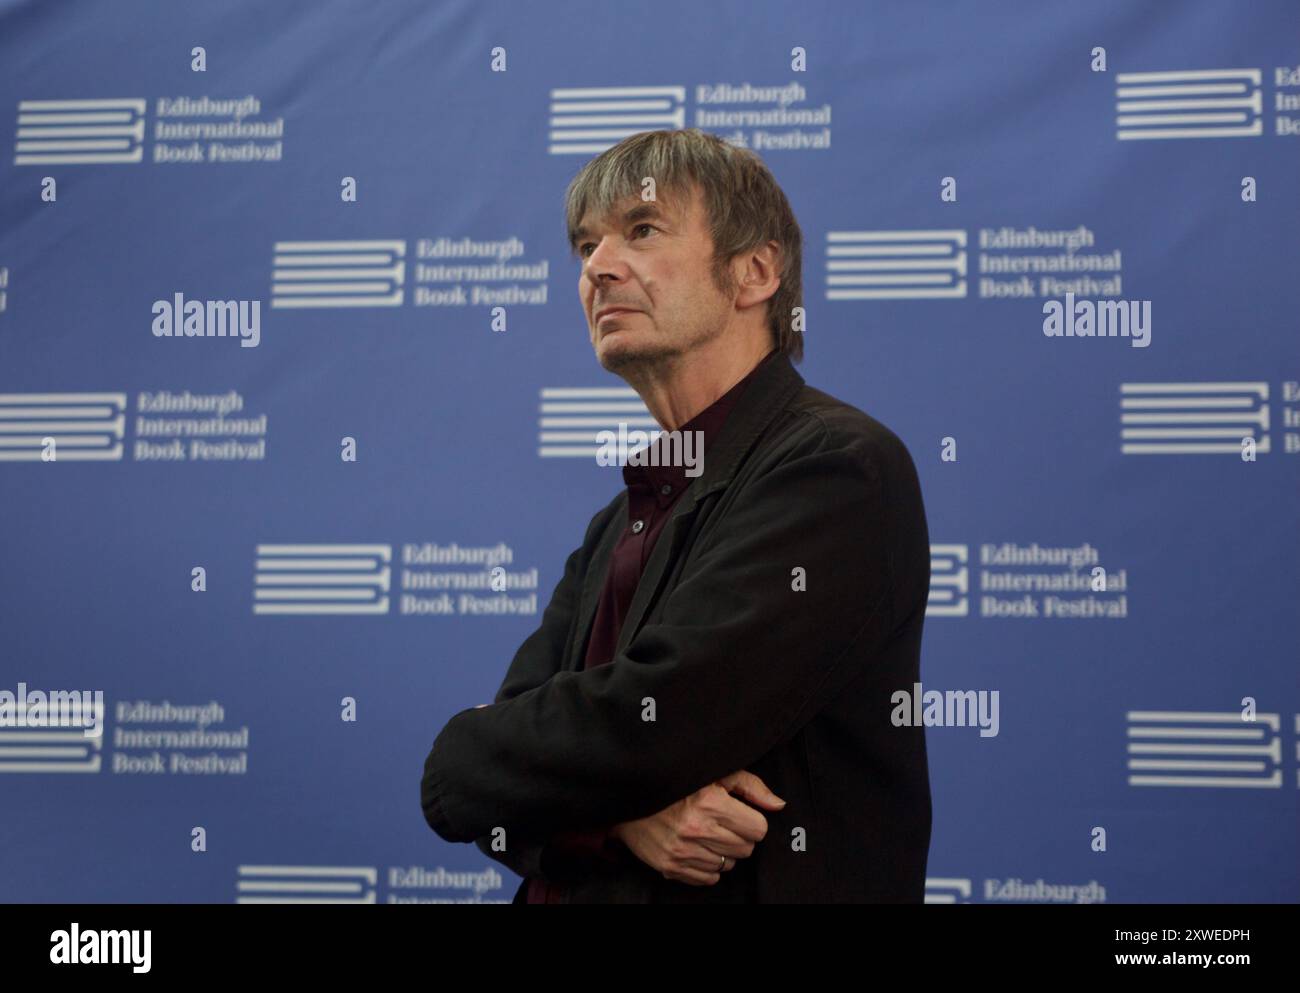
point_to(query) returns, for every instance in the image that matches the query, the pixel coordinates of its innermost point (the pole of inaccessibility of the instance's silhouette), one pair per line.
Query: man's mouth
(614, 312)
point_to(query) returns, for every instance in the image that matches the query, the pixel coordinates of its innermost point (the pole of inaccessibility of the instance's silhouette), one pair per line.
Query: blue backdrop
(273, 550)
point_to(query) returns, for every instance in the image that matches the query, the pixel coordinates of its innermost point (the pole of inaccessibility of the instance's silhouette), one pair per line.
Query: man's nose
(603, 263)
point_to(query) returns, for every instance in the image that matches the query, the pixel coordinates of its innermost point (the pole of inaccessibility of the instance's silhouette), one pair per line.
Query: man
(703, 715)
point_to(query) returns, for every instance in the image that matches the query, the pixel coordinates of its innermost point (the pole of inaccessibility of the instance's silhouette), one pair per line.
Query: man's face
(654, 258)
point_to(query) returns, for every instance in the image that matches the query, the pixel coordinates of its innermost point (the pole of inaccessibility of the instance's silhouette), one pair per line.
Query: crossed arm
(739, 660)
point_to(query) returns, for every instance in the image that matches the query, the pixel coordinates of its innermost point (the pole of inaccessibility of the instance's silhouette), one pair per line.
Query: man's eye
(582, 249)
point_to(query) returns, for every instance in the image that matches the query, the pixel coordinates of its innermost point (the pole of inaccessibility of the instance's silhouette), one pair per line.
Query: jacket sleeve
(738, 661)
(537, 660)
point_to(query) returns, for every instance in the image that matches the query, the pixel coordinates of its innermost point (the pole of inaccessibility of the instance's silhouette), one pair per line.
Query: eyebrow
(640, 212)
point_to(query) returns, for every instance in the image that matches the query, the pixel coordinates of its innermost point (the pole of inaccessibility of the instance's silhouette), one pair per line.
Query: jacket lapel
(665, 551)
(759, 403)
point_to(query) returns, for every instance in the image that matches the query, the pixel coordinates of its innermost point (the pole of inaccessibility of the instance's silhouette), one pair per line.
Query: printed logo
(1027, 581)
(112, 130)
(338, 274)
(1013, 890)
(949, 581)
(588, 120)
(1198, 749)
(445, 272)
(79, 427)
(573, 418)
(1193, 418)
(306, 884)
(322, 579)
(357, 579)
(361, 884)
(63, 427)
(1197, 103)
(58, 731)
(947, 891)
(77, 132)
(895, 265)
(1012, 263)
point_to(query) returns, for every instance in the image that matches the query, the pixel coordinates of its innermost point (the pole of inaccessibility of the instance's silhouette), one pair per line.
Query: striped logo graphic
(86, 427)
(947, 890)
(306, 884)
(895, 265)
(339, 274)
(1188, 748)
(587, 121)
(949, 582)
(54, 749)
(79, 132)
(322, 579)
(1192, 418)
(1198, 103)
(572, 417)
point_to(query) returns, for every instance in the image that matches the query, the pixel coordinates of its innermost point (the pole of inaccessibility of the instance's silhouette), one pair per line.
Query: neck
(679, 387)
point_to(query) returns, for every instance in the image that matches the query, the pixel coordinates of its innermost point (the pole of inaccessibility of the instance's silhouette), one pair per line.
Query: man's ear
(761, 275)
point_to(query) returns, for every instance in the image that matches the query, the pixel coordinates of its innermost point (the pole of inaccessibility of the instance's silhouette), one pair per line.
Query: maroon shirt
(652, 492)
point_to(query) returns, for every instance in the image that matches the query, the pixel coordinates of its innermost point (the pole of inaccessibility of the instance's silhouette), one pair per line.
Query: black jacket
(744, 669)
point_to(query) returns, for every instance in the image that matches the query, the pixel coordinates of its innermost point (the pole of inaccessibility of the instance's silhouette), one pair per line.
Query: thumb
(751, 788)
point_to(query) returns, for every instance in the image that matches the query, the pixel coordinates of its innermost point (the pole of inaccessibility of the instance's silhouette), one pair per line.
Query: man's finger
(753, 789)
(738, 816)
(693, 877)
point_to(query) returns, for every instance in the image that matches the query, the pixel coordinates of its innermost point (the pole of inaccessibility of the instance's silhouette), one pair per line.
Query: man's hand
(688, 841)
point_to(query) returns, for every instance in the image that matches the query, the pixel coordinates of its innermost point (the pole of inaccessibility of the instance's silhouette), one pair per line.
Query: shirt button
(665, 489)
(637, 526)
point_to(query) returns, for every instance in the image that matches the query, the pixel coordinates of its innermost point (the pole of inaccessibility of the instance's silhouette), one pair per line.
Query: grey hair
(744, 206)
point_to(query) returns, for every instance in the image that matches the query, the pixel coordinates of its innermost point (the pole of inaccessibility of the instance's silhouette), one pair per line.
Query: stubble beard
(649, 360)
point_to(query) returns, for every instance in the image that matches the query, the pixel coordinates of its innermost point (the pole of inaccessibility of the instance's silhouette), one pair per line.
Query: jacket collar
(703, 429)
(774, 385)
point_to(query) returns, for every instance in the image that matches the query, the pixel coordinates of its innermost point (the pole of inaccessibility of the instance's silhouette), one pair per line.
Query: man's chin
(618, 356)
